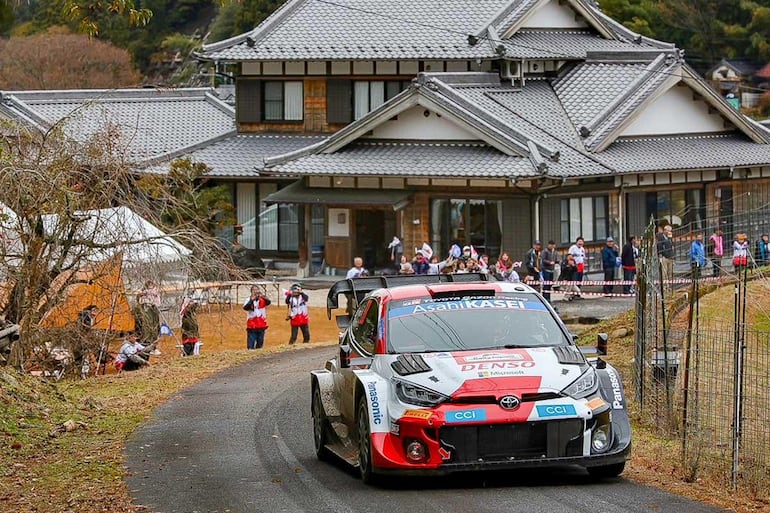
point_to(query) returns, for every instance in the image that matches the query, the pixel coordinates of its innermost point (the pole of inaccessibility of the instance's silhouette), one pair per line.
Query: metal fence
(704, 380)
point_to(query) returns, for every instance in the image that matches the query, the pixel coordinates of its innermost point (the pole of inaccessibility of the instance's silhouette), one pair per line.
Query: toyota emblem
(510, 402)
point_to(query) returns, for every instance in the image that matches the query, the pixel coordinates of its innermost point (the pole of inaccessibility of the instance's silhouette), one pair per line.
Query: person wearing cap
(532, 262)
(256, 318)
(298, 315)
(609, 264)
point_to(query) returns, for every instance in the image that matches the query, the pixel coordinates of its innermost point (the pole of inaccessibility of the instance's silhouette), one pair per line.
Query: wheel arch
(324, 382)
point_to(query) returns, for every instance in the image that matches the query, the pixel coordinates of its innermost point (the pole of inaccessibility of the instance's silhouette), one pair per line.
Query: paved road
(241, 442)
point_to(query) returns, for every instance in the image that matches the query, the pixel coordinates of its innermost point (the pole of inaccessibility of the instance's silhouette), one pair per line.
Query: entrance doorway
(374, 231)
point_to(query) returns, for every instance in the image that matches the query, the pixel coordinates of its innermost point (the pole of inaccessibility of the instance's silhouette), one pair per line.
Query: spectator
(569, 276)
(436, 267)
(484, 264)
(548, 259)
(256, 318)
(697, 256)
(420, 263)
(132, 355)
(763, 250)
(357, 271)
(191, 344)
(504, 263)
(579, 253)
(511, 276)
(395, 251)
(665, 247)
(716, 251)
(609, 264)
(461, 267)
(532, 262)
(298, 315)
(87, 317)
(740, 252)
(406, 266)
(628, 262)
(148, 315)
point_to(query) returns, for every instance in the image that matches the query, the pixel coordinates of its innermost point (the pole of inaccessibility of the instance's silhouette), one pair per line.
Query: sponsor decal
(501, 374)
(492, 366)
(417, 414)
(596, 403)
(495, 357)
(445, 454)
(428, 305)
(617, 396)
(374, 402)
(555, 410)
(474, 415)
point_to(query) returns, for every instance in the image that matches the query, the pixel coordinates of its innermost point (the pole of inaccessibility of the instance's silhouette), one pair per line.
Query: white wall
(675, 112)
(553, 15)
(338, 222)
(413, 124)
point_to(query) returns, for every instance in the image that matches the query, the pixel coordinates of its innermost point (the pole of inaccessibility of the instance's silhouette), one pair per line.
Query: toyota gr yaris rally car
(437, 374)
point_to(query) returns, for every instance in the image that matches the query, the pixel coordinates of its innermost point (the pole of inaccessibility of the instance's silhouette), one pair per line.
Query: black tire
(320, 426)
(607, 471)
(364, 443)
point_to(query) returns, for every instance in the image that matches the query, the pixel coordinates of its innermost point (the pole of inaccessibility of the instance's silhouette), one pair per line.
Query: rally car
(437, 374)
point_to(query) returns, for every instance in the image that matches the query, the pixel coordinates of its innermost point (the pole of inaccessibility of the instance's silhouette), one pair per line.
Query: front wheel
(607, 471)
(320, 426)
(364, 443)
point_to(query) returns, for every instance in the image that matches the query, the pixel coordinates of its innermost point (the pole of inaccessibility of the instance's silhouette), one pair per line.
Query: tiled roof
(412, 159)
(684, 153)
(238, 155)
(561, 44)
(151, 122)
(364, 30)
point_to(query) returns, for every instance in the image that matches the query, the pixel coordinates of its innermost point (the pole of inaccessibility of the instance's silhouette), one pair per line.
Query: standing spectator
(298, 315)
(763, 250)
(740, 252)
(697, 256)
(665, 247)
(148, 315)
(579, 253)
(357, 271)
(548, 259)
(569, 274)
(504, 263)
(532, 262)
(484, 264)
(256, 318)
(191, 343)
(628, 262)
(716, 250)
(609, 264)
(395, 252)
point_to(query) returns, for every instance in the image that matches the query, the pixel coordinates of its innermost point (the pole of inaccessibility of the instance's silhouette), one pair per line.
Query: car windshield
(420, 325)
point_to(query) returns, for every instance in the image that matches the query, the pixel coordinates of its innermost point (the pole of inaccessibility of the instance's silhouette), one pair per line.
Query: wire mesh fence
(702, 367)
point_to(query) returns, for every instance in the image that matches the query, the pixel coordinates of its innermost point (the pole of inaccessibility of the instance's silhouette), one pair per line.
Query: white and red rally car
(440, 373)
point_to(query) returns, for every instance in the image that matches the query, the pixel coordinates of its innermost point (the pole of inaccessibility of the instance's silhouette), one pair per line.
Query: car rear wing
(357, 288)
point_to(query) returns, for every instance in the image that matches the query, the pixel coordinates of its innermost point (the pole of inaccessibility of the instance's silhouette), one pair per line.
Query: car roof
(427, 290)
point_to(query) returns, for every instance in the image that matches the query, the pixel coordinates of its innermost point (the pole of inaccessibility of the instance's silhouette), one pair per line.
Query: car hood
(491, 371)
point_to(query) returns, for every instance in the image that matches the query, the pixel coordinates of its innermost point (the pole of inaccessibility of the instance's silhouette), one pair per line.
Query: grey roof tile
(412, 159)
(151, 122)
(561, 44)
(238, 155)
(643, 154)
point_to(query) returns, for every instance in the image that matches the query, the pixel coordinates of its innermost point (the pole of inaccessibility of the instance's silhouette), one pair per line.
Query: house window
(584, 217)
(283, 101)
(368, 95)
(678, 207)
(475, 222)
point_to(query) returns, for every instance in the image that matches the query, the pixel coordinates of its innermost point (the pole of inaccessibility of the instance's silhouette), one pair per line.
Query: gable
(414, 124)
(676, 112)
(554, 14)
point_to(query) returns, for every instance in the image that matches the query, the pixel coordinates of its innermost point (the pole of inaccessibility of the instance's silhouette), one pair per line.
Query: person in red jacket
(297, 314)
(256, 318)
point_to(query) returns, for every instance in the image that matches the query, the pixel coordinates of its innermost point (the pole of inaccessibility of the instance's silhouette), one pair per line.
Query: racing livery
(439, 373)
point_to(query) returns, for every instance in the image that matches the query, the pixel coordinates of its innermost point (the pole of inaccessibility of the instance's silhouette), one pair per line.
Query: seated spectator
(405, 267)
(133, 355)
(420, 263)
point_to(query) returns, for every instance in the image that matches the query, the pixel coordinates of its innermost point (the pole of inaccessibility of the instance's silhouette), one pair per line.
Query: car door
(361, 339)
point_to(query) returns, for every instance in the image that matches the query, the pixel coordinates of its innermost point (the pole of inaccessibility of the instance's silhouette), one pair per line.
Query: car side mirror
(343, 321)
(344, 356)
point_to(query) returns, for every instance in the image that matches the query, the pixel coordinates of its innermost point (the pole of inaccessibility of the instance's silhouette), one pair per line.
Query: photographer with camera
(297, 313)
(256, 318)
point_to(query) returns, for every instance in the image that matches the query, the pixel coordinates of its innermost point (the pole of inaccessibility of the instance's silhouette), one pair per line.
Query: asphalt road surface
(241, 441)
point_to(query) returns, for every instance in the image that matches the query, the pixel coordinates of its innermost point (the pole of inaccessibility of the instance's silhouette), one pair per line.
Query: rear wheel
(364, 443)
(320, 426)
(607, 471)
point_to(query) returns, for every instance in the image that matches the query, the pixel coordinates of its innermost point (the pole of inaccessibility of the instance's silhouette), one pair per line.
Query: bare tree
(59, 199)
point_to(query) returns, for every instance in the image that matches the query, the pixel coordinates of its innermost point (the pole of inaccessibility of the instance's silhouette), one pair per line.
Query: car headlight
(584, 386)
(417, 395)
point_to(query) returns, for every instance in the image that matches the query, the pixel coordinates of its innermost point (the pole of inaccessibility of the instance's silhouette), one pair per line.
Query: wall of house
(416, 222)
(554, 14)
(414, 124)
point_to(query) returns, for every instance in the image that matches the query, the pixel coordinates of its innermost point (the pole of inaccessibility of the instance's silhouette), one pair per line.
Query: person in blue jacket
(697, 256)
(609, 264)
